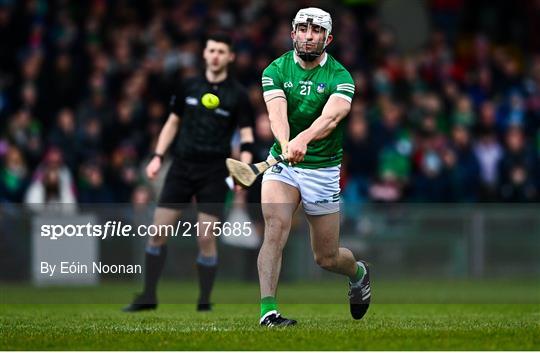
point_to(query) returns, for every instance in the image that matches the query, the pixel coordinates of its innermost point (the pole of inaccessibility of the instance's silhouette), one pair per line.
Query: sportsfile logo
(120, 229)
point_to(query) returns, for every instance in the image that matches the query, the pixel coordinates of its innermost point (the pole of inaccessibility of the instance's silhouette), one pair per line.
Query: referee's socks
(155, 261)
(206, 268)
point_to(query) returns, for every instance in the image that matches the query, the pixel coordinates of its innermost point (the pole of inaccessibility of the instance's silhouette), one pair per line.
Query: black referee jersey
(205, 134)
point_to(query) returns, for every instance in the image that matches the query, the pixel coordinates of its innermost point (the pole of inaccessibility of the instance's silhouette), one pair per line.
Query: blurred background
(443, 137)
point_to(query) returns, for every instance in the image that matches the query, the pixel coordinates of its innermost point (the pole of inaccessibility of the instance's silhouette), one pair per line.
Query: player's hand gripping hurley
(245, 174)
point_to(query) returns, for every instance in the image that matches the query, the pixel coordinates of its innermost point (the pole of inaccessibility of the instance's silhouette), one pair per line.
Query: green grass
(510, 320)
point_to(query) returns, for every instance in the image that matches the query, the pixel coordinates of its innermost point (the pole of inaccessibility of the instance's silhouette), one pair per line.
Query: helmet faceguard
(311, 18)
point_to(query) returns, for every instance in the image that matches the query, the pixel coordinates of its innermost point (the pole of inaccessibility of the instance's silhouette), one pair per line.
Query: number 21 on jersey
(305, 90)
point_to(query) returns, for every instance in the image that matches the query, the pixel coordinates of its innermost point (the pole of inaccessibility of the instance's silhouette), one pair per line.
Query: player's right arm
(166, 136)
(276, 104)
(277, 113)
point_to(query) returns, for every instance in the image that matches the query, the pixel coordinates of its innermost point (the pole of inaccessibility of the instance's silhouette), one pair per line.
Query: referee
(202, 126)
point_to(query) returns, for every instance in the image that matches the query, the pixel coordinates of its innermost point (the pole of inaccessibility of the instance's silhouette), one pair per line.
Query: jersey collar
(321, 64)
(227, 78)
(323, 61)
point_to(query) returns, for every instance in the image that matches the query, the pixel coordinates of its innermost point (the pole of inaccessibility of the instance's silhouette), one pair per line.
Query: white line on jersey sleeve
(347, 98)
(272, 91)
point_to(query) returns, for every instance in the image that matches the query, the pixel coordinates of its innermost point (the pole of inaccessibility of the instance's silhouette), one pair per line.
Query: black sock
(155, 261)
(207, 275)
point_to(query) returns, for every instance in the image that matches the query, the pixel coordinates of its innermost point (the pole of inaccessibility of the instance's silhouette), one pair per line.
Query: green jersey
(307, 91)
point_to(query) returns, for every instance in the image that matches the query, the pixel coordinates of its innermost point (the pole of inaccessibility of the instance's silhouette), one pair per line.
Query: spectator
(431, 181)
(393, 177)
(464, 114)
(92, 187)
(65, 83)
(96, 105)
(123, 173)
(488, 151)
(13, 176)
(482, 86)
(462, 165)
(387, 129)
(52, 187)
(91, 140)
(471, 80)
(517, 169)
(63, 136)
(25, 132)
(360, 165)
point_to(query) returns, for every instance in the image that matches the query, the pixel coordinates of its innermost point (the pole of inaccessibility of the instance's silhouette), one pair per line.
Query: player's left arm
(335, 110)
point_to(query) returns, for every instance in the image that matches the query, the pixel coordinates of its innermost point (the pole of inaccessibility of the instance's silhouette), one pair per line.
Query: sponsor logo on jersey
(277, 169)
(222, 112)
(335, 198)
(287, 84)
(192, 101)
(321, 87)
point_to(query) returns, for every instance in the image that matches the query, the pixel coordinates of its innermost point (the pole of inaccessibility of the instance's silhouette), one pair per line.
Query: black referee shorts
(205, 180)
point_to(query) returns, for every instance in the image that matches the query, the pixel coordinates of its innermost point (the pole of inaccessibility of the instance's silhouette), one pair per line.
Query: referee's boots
(140, 303)
(204, 307)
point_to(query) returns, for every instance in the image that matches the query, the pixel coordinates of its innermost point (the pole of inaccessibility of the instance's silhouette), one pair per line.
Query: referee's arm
(166, 136)
(246, 123)
(246, 139)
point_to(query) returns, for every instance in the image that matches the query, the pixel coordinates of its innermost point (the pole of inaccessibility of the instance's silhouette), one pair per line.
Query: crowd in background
(84, 91)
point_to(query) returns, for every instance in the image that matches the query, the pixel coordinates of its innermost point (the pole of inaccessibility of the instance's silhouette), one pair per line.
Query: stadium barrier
(402, 242)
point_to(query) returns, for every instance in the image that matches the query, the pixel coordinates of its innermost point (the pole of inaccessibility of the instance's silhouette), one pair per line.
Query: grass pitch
(433, 324)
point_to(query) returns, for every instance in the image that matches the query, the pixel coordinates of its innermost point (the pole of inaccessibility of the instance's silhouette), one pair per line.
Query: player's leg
(324, 233)
(207, 259)
(155, 256)
(320, 198)
(279, 201)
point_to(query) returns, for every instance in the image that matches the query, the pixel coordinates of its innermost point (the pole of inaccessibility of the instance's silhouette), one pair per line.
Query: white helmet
(312, 16)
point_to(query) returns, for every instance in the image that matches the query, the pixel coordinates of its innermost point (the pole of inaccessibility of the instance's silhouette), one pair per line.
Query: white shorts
(319, 188)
